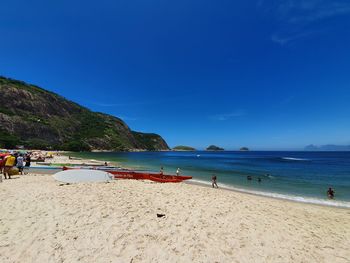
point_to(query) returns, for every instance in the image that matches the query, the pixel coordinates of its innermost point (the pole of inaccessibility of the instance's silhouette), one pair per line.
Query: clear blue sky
(265, 74)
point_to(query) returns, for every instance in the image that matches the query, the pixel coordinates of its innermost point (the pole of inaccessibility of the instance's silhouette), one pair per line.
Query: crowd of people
(9, 162)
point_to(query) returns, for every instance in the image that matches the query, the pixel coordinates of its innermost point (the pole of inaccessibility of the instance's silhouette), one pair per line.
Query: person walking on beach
(2, 163)
(9, 163)
(178, 172)
(27, 165)
(330, 193)
(213, 181)
(20, 163)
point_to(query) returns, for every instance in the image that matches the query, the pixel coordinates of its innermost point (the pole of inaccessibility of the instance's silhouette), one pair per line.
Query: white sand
(64, 159)
(41, 221)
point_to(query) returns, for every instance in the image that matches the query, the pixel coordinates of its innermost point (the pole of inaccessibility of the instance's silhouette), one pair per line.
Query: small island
(183, 148)
(214, 148)
(244, 149)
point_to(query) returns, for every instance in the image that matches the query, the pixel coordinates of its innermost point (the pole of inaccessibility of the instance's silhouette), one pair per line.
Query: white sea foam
(294, 159)
(309, 200)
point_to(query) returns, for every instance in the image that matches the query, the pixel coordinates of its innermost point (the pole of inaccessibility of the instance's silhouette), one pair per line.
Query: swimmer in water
(330, 193)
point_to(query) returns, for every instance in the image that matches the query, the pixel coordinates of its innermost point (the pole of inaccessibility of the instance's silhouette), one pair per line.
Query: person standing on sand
(20, 163)
(213, 181)
(28, 160)
(9, 163)
(2, 164)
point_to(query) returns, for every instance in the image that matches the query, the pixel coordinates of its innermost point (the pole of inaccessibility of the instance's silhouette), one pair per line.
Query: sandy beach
(63, 159)
(43, 221)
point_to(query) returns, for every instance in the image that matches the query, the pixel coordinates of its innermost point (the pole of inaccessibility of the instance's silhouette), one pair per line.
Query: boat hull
(127, 174)
(164, 180)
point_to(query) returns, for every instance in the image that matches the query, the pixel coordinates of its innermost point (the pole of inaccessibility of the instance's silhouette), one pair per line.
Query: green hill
(183, 148)
(214, 148)
(37, 118)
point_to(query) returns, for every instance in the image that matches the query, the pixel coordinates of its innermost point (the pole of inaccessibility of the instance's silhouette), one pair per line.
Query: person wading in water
(213, 181)
(330, 193)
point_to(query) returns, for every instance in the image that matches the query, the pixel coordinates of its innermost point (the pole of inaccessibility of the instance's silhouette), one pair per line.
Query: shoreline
(272, 195)
(63, 157)
(280, 197)
(42, 221)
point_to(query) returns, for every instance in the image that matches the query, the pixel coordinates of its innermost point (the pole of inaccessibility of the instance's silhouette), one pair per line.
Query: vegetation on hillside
(37, 118)
(150, 141)
(214, 148)
(183, 148)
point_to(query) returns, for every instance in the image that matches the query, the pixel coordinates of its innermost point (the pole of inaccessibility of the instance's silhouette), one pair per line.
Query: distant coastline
(328, 148)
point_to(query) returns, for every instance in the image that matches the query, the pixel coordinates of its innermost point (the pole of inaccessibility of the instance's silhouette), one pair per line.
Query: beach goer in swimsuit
(213, 181)
(178, 172)
(330, 193)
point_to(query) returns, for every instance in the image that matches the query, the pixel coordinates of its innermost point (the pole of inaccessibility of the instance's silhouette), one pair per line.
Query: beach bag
(13, 171)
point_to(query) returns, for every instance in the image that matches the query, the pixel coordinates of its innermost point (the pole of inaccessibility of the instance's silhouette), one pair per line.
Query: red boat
(164, 180)
(127, 174)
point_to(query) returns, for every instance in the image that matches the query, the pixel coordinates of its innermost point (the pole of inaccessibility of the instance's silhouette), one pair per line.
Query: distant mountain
(214, 148)
(37, 118)
(328, 147)
(183, 148)
(311, 147)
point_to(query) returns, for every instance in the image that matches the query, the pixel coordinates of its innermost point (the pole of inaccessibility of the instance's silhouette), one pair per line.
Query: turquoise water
(300, 176)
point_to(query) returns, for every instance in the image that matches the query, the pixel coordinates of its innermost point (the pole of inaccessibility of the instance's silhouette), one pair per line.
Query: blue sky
(265, 74)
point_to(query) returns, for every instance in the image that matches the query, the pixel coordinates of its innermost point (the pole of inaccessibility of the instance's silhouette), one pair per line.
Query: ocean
(298, 176)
